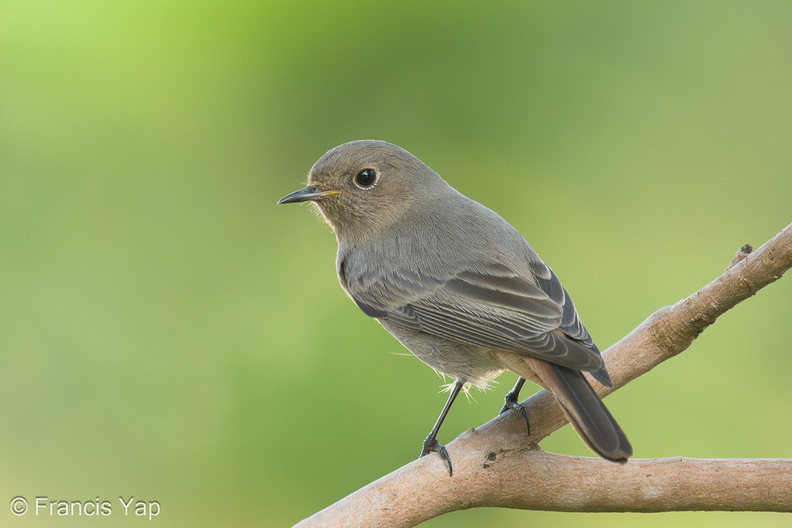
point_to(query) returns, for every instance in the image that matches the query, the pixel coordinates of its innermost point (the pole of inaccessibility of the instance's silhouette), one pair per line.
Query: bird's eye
(366, 178)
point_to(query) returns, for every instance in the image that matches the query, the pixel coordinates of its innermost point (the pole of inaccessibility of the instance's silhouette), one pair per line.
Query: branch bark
(498, 465)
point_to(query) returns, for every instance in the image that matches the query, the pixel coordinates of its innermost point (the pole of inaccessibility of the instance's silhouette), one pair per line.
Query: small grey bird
(457, 285)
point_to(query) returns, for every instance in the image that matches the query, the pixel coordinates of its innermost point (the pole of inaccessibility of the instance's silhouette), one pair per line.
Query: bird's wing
(487, 305)
(570, 322)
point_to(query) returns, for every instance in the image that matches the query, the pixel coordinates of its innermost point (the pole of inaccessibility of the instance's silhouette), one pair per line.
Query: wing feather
(484, 305)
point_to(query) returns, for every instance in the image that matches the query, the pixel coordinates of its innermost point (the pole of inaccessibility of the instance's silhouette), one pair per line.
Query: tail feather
(584, 410)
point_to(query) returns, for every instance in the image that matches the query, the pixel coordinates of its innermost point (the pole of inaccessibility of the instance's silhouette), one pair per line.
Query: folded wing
(487, 305)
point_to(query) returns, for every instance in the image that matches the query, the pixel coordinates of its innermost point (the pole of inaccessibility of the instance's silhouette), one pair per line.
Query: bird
(456, 285)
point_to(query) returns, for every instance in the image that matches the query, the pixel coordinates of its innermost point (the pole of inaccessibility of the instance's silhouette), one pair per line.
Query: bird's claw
(431, 445)
(511, 403)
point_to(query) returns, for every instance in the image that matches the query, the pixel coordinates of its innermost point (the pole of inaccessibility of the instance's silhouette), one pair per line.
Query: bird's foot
(431, 445)
(511, 403)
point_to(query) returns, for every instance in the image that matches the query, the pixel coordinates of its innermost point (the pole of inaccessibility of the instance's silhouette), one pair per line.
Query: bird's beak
(308, 194)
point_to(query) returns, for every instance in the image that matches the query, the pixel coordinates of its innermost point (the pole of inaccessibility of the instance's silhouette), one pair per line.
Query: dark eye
(366, 178)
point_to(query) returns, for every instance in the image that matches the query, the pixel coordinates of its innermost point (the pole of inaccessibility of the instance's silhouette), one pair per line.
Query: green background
(168, 333)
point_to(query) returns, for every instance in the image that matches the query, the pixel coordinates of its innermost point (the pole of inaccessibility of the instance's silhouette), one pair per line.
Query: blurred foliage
(169, 333)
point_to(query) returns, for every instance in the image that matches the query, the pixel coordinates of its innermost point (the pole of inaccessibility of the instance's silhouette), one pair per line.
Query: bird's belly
(467, 363)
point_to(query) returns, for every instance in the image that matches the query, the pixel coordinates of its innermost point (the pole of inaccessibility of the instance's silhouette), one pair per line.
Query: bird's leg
(431, 445)
(512, 402)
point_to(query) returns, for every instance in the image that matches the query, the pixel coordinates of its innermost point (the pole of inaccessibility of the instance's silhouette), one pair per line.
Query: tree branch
(498, 465)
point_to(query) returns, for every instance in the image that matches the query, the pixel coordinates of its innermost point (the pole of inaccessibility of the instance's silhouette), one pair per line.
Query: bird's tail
(581, 405)
(584, 410)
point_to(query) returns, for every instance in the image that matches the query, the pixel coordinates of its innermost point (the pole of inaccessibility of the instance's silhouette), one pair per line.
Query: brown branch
(498, 465)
